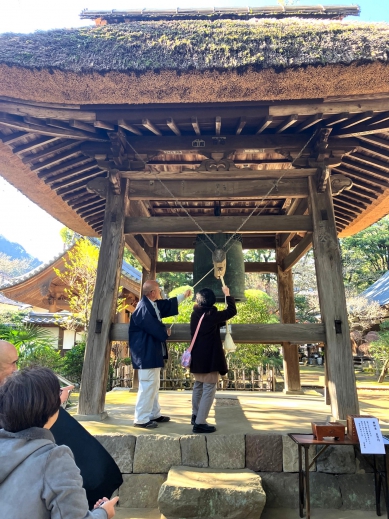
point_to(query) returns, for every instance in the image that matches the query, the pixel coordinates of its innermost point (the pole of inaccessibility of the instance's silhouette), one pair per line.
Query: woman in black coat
(208, 359)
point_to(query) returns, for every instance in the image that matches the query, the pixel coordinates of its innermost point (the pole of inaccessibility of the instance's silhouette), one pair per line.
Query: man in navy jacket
(147, 337)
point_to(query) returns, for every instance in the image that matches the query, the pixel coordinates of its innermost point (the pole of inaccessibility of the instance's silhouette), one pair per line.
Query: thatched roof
(186, 45)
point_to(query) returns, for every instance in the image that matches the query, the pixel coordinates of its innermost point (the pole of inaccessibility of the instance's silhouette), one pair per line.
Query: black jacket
(207, 352)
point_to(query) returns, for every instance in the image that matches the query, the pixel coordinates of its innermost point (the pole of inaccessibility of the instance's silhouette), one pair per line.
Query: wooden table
(306, 440)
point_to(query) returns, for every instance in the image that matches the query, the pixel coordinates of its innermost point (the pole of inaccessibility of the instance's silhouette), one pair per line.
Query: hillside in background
(17, 256)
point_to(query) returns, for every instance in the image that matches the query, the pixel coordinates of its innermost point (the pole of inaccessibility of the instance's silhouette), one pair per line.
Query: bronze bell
(207, 256)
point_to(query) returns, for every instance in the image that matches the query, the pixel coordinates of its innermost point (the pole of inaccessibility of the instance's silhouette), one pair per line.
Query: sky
(25, 222)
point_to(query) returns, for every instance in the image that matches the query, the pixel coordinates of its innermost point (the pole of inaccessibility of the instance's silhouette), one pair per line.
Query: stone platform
(251, 433)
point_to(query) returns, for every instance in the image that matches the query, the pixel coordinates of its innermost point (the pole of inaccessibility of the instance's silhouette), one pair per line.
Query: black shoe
(152, 424)
(193, 420)
(161, 419)
(203, 428)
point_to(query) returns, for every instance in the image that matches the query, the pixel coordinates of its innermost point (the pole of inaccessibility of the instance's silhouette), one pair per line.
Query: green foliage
(73, 362)
(68, 236)
(366, 256)
(306, 312)
(36, 346)
(379, 349)
(169, 280)
(80, 277)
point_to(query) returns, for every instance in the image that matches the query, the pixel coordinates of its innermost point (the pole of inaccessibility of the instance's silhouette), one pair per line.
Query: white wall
(69, 337)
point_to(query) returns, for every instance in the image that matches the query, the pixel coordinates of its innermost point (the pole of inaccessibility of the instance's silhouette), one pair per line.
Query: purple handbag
(187, 356)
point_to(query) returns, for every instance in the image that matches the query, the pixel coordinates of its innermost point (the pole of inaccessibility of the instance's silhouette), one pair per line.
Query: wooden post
(152, 252)
(97, 353)
(341, 376)
(288, 316)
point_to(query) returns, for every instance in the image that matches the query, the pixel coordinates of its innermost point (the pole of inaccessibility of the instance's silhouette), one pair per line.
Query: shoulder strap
(195, 335)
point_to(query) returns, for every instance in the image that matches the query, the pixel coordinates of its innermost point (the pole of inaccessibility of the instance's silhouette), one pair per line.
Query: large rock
(226, 452)
(290, 455)
(358, 492)
(282, 490)
(155, 454)
(325, 491)
(140, 490)
(264, 452)
(194, 451)
(336, 460)
(209, 493)
(121, 447)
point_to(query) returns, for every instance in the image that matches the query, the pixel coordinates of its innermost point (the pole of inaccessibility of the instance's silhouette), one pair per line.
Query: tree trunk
(385, 368)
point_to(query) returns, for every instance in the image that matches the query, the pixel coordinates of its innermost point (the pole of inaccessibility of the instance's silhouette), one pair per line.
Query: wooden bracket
(114, 179)
(340, 183)
(323, 175)
(98, 186)
(217, 165)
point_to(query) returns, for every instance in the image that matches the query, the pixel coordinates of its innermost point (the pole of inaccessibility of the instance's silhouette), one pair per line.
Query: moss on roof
(200, 45)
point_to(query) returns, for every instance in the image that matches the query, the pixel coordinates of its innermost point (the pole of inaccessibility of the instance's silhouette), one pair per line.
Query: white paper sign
(369, 435)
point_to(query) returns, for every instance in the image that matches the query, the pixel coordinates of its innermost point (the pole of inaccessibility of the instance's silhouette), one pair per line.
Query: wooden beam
(299, 206)
(187, 266)
(383, 143)
(361, 129)
(332, 107)
(285, 124)
(56, 159)
(297, 253)
(172, 125)
(264, 124)
(12, 122)
(365, 167)
(214, 224)
(138, 252)
(361, 180)
(379, 118)
(341, 377)
(357, 119)
(46, 110)
(151, 127)
(336, 119)
(241, 125)
(211, 190)
(104, 125)
(149, 145)
(187, 242)
(310, 121)
(364, 184)
(15, 136)
(195, 125)
(218, 124)
(241, 174)
(245, 333)
(73, 181)
(40, 141)
(128, 126)
(287, 316)
(98, 350)
(81, 125)
(56, 172)
(379, 152)
(47, 151)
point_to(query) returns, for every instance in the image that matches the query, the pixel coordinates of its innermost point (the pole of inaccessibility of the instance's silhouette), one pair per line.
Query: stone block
(205, 493)
(226, 452)
(336, 460)
(281, 489)
(290, 455)
(325, 491)
(140, 490)
(358, 492)
(121, 447)
(155, 454)
(264, 452)
(365, 463)
(194, 451)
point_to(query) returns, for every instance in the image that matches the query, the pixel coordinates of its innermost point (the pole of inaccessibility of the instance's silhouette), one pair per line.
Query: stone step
(272, 513)
(200, 493)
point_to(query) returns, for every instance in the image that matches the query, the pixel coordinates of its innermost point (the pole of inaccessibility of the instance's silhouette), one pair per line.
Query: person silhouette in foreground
(208, 359)
(100, 474)
(39, 479)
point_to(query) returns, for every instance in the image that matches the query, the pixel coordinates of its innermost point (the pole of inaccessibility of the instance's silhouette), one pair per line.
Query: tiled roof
(127, 270)
(378, 291)
(6, 301)
(47, 318)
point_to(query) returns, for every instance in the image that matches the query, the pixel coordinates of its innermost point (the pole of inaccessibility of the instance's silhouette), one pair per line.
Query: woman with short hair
(208, 359)
(38, 479)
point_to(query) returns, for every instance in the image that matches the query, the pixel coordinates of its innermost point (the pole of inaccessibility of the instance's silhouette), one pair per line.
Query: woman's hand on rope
(187, 293)
(226, 290)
